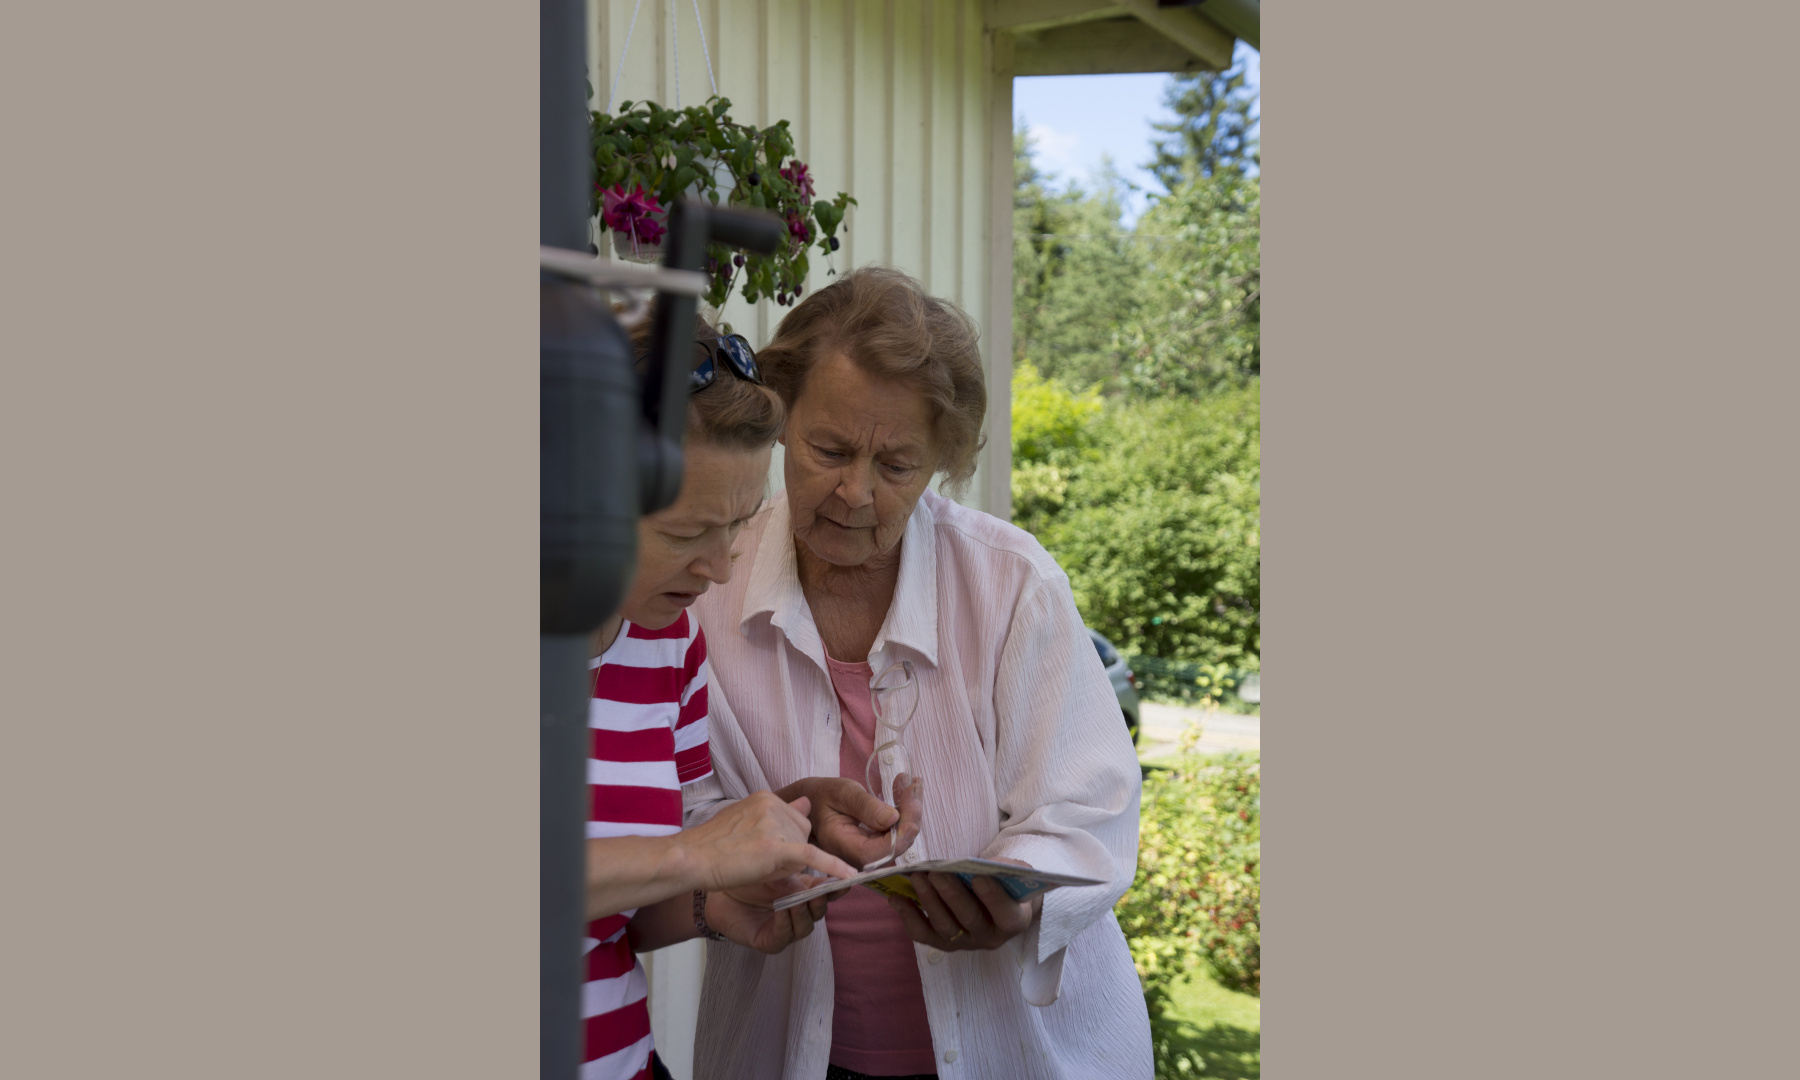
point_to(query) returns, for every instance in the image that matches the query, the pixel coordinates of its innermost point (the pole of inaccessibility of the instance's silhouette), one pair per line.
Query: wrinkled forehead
(845, 401)
(719, 486)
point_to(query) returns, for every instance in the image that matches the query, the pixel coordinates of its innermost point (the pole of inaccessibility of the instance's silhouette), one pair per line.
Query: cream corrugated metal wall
(889, 100)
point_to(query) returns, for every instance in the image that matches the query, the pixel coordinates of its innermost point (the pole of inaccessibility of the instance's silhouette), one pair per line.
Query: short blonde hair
(886, 324)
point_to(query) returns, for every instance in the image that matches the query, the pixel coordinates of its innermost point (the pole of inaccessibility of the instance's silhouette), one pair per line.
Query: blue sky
(1078, 119)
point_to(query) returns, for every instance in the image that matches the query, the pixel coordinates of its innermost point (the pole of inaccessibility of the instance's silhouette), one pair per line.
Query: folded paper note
(1020, 882)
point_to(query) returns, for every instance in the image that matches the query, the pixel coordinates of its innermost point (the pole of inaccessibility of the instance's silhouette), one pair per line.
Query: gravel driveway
(1163, 725)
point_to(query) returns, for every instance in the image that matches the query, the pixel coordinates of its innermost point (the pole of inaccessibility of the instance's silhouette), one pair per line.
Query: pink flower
(796, 174)
(631, 214)
(799, 229)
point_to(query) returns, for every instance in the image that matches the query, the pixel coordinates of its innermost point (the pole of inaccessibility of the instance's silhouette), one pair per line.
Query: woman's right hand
(849, 822)
(755, 839)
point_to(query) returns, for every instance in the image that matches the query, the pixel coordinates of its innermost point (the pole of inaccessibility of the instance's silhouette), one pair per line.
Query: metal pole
(610, 450)
(563, 193)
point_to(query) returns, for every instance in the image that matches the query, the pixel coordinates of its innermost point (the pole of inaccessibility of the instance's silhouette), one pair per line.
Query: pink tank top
(878, 1023)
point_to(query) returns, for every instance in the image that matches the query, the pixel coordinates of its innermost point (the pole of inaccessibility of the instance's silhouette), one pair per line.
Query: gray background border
(266, 422)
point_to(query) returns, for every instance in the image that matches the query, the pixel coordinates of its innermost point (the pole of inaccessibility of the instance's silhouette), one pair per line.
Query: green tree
(1160, 530)
(1198, 326)
(1215, 113)
(1077, 272)
(1153, 509)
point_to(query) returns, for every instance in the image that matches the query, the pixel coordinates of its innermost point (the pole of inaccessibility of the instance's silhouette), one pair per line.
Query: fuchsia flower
(631, 214)
(799, 228)
(796, 174)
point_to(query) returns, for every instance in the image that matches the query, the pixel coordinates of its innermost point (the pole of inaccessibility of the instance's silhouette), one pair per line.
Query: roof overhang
(1102, 37)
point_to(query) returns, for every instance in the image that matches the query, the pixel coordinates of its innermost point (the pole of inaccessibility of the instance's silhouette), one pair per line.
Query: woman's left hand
(951, 916)
(746, 917)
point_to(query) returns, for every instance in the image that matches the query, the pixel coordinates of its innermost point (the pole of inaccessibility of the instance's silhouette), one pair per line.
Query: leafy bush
(1211, 686)
(1052, 432)
(1196, 900)
(1153, 509)
(1049, 420)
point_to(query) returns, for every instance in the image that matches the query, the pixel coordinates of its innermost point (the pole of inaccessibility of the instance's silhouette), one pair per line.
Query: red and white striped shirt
(648, 718)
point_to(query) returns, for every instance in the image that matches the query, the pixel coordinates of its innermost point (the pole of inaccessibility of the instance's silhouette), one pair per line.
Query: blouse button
(949, 1056)
(887, 758)
(932, 956)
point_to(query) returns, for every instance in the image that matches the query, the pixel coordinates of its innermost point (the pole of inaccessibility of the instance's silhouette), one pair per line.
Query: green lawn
(1223, 1025)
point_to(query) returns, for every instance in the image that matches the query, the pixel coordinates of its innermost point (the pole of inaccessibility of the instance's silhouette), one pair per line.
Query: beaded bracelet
(706, 931)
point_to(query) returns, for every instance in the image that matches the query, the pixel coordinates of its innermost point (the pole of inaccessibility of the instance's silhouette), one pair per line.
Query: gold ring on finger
(959, 933)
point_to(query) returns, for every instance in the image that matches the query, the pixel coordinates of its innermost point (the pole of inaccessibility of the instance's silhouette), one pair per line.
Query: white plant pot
(635, 250)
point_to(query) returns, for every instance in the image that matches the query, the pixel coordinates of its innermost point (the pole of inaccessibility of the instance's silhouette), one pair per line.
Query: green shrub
(1178, 682)
(1196, 900)
(1049, 419)
(1157, 523)
(1053, 432)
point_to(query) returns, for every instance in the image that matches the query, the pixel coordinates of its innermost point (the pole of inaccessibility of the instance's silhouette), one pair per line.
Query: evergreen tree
(1198, 328)
(1076, 272)
(1210, 135)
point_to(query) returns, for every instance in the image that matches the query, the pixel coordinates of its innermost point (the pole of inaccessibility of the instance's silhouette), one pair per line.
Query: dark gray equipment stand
(610, 449)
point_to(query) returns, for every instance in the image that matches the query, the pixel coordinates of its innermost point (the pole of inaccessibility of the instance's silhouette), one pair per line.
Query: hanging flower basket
(646, 157)
(637, 222)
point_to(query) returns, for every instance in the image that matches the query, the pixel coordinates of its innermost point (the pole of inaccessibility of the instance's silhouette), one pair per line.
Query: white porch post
(997, 456)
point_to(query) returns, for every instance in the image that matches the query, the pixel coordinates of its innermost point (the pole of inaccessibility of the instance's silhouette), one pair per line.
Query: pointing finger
(824, 862)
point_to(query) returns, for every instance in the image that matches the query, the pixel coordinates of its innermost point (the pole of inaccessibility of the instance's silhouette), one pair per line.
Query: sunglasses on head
(734, 353)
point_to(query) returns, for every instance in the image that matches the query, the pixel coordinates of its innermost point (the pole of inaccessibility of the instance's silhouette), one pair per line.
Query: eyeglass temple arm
(692, 225)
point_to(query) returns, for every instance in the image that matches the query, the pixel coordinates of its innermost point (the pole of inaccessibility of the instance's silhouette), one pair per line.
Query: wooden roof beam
(1241, 17)
(1030, 15)
(1106, 47)
(1196, 33)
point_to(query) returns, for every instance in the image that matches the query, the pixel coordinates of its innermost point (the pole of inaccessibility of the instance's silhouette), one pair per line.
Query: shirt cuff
(1040, 980)
(1064, 913)
(1068, 910)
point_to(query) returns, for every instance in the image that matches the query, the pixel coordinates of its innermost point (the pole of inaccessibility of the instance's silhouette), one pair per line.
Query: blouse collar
(774, 587)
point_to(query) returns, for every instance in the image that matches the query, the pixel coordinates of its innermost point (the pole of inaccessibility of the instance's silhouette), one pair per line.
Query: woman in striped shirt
(650, 883)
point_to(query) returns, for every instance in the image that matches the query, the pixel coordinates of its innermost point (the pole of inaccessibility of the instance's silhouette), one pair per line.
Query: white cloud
(1057, 151)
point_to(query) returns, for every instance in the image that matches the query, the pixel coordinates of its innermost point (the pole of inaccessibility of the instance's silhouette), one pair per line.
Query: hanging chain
(612, 92)
(623, 53)
(703, 50)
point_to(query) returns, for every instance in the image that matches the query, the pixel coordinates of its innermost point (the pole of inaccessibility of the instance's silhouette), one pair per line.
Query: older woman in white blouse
(1016, 740)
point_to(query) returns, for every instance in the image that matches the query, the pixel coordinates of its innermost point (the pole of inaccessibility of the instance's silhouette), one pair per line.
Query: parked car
(1124, 683)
